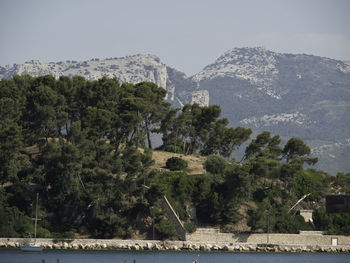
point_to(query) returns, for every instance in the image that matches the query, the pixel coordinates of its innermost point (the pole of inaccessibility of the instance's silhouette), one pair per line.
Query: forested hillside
(86, 148)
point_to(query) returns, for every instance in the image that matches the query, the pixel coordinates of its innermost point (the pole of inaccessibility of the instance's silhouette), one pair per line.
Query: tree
(215, 164)
(232, 139)
(11, 158)
(333, 224)
(46, 113)
(308, 182)
(154, 107)
(65, 86)
(169, 129)
(9, 111)
(238, 182)
(295, 152)
(97, 122)
(263, 145)
(224, 140)
(262, 154)
(130, 114)
(198, 128)
(295, 148)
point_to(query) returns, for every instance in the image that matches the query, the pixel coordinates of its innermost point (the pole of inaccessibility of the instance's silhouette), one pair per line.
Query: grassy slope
(195, 163)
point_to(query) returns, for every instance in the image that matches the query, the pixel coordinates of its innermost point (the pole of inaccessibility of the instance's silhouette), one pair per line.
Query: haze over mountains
(291, 95)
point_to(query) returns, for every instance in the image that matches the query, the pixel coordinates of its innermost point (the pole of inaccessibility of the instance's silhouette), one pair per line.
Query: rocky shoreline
(152, 245)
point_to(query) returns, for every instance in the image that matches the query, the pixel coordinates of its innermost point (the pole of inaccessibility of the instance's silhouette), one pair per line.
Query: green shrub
(215, 164)
(176, 164)
(190, 227)
(342, 178)
(44, 233)
(333, 224)
(308, 181)
(165, 229)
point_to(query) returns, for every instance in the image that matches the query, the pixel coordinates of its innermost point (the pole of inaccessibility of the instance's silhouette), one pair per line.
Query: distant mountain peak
(245, 50)
(256, 65)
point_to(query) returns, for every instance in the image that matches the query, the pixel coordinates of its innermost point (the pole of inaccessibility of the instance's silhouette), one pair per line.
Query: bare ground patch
(195, 163)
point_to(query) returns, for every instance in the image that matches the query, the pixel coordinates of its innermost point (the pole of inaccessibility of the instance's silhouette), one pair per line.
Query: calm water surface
(83, 256)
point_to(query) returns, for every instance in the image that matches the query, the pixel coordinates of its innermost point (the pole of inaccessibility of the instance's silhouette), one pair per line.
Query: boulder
(149, 245)
(208, 247)
(195, 247)
(251, 248)
(56, 246)
(11, 244)
(214, 248)
(245, 249)
(48, 246)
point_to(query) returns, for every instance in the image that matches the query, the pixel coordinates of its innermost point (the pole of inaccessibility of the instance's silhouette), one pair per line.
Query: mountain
(291, 95)
(133, 69)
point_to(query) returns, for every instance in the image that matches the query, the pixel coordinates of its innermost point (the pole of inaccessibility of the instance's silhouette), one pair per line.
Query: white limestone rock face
(296, 118)
(344, 66)
(257, 65)
(200, 97)
(131, 69)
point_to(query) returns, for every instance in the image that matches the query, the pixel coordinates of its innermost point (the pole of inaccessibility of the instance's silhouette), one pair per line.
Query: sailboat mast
(36, 215)
(33, 247)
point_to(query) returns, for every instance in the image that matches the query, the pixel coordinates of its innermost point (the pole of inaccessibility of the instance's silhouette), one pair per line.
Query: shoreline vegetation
(86, 148)
(159, 245)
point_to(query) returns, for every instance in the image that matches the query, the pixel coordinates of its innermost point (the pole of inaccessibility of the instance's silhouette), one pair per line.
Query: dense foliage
(176, 164)
(86, 148)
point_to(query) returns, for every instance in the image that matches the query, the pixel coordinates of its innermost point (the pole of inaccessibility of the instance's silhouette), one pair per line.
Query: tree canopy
(86, 147)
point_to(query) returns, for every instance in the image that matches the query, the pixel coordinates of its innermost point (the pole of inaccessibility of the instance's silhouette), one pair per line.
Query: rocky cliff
(131, 69)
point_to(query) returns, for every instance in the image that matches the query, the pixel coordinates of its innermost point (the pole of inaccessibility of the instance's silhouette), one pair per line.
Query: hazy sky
(185, 34)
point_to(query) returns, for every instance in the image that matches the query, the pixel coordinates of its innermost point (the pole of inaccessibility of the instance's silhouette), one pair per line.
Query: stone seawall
(306, 238)
(116, 244)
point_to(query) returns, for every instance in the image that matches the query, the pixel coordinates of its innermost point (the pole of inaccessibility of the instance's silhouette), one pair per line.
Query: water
(109, 256)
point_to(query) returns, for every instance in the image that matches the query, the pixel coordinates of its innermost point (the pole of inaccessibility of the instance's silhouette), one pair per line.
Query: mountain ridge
(295, 95)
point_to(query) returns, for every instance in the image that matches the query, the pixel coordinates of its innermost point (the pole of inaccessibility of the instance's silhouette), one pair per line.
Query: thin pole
(268, 226)
(36, 215)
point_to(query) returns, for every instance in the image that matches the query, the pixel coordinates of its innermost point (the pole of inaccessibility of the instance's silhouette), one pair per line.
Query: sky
(184, 34)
